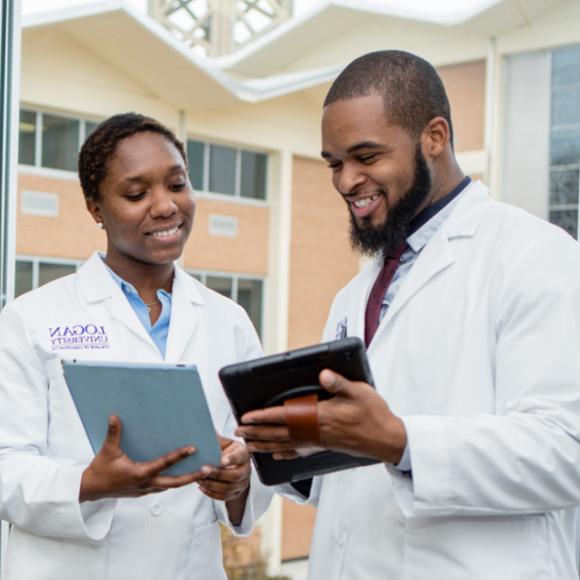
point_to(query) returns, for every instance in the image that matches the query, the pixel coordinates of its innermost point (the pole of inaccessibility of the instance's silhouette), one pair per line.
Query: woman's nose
(163, 204)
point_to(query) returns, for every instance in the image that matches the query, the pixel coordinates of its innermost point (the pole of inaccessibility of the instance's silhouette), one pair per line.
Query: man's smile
(365, 205)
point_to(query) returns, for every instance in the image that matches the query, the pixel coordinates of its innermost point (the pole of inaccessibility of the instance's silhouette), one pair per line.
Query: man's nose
(349, 179)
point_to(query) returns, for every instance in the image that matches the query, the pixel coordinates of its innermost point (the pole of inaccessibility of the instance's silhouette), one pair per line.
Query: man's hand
(113, 474)
(357, 420)
(230, 482)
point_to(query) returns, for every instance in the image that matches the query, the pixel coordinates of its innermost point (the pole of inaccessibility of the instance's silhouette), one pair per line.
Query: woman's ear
(436, 137)
(95, 210)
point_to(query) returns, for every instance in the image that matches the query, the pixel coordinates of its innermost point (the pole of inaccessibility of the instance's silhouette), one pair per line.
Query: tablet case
(269, 381)
(162, 407)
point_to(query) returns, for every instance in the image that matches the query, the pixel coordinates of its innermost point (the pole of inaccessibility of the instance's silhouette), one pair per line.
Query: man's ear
(436, 137)
(94, 209)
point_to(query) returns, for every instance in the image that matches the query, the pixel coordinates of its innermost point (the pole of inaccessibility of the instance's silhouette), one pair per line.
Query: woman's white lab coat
(172, 535)
(480, 354)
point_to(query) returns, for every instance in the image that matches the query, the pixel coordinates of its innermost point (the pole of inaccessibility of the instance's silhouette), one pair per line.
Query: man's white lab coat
(479, 353)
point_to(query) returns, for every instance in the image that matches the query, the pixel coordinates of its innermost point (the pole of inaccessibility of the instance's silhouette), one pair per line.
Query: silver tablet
(162, 407)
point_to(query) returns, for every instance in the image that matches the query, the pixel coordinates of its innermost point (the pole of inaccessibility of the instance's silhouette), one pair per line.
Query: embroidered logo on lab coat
(341, 329)
(78, 336)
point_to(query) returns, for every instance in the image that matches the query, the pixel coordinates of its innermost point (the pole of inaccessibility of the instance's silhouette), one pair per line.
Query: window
(34, 272)
(226, 170)
(565, 139)
(249, 296)
(248, 292)
(90, 126)
(60, 142)
(222, 169)
(52, 141)
(222, 284)
(9, 63)
(24, 277)
(26, 144)
(253, 174)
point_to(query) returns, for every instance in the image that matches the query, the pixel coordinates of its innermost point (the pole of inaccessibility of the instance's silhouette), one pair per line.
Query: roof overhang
(146, 52)
(325, 22)
(142, 49)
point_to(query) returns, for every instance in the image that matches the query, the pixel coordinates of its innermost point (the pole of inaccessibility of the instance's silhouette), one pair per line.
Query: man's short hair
(412, 91)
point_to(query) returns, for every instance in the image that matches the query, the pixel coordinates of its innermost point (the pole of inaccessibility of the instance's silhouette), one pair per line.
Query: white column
(223, 18)
(181, 134)
(490, 107)
(271, 530)
(525, 132)
(277, 291)
(276, 320)
(4, 538)
(497, 117)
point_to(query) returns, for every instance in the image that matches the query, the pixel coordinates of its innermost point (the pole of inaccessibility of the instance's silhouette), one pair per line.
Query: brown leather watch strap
(302, 419)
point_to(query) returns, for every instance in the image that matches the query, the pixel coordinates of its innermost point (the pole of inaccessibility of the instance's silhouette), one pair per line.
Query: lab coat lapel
(186, 310)
(97, 286)
(435, 257)
(438, 254)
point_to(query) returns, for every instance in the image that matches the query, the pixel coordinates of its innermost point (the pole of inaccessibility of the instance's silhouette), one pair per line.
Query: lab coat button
(156, 510)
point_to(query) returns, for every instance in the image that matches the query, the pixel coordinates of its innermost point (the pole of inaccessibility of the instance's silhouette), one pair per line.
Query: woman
(77, 515)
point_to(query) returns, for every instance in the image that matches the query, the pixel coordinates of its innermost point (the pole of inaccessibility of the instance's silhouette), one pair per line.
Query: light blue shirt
(158, 331)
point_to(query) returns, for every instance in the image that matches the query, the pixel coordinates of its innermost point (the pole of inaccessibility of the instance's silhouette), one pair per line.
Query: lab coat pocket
(206, 553)
(31, 557)
(481, 547)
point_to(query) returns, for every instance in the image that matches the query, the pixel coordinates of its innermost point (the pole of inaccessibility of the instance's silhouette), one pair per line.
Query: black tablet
(269, 381)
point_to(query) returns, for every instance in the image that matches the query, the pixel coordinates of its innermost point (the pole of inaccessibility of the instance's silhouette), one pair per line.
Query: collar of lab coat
(464, 220)
(97, 285)
(436, 256)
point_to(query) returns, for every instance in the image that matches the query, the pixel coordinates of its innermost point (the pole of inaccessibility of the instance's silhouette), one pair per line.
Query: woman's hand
(231, 481)
(113, 474)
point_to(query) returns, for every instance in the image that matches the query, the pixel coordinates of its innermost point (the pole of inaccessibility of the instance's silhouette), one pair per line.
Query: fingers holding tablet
(113, 474)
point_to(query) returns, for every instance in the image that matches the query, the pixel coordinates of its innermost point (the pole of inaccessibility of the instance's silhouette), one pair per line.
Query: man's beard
(386, 237)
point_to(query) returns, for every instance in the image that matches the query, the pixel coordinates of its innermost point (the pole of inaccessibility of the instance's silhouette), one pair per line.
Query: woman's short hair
(99, 147)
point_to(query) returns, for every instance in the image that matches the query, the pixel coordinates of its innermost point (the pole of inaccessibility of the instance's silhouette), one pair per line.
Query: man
(474, 346)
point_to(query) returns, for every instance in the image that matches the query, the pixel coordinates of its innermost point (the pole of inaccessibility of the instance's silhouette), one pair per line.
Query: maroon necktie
(378, 292)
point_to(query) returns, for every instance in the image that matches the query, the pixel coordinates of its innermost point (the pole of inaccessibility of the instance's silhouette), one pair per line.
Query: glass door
(9, 80)
(565, 139)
